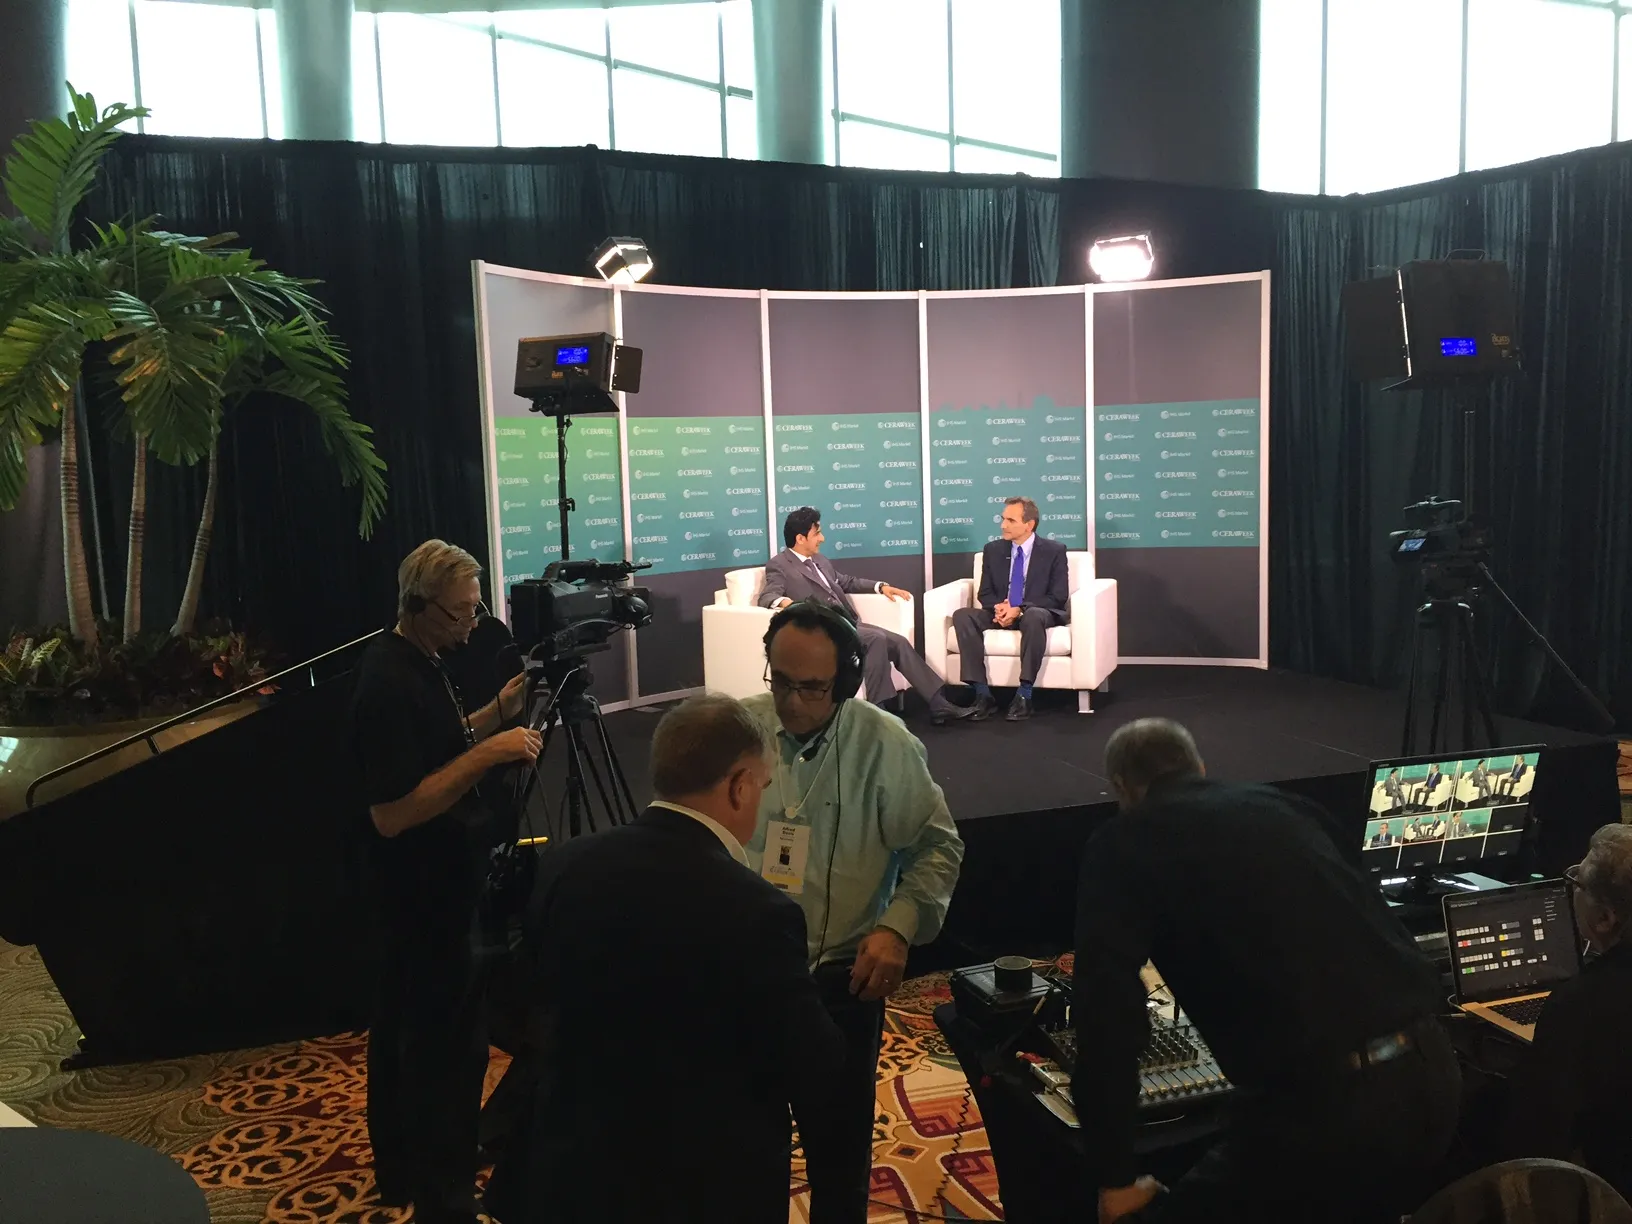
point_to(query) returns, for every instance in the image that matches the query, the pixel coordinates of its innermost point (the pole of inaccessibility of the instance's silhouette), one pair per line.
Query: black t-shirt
(1283, 954)
(406, 724)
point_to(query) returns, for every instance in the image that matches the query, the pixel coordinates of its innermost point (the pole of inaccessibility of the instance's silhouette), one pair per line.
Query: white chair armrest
(939, 604)
(1093, 633)
(733, 654)
(722, 599)
(898, 616)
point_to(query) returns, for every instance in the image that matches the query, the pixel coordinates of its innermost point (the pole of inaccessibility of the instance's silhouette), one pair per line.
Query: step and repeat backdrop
(1135, 417)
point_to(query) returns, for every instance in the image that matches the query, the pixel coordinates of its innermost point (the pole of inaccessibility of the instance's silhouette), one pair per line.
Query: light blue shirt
(883, 850)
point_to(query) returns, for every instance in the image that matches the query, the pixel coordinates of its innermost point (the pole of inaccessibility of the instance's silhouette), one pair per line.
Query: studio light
(623, 261)
(1128, 258)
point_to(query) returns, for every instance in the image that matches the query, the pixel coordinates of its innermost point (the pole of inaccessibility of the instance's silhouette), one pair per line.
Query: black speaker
(1432, 322)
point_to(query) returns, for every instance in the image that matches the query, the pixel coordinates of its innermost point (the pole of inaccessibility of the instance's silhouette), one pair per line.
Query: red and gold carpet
(277, 1134)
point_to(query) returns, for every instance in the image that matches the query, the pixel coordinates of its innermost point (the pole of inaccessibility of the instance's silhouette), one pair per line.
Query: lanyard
(783, 773)
(458, 706)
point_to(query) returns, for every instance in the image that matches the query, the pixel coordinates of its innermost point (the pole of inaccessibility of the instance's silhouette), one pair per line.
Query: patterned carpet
(277, 1134)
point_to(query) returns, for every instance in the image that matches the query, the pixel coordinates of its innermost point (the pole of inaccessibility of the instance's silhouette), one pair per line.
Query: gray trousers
(884, 648)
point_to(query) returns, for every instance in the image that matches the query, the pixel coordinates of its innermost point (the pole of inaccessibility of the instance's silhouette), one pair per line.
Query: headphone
(414, 604)
(839, 628)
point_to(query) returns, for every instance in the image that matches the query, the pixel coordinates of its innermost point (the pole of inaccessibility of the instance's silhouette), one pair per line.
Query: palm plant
(188, 327)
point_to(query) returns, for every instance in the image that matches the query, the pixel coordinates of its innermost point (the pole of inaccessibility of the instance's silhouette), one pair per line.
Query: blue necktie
(1017, 578)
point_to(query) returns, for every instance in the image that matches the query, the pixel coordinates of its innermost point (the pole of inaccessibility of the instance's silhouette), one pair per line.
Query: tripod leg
(1406, 744)
(614, 769)
(1442, 678)
(577, 793)
(608, 801)
(1464, 671)
(1481, 682)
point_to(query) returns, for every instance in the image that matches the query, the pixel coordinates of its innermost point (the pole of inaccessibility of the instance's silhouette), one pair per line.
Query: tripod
(1457, 664)
(568, 708)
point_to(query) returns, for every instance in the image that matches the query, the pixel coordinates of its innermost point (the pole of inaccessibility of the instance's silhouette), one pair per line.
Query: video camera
(1450, 548)
(575, 607)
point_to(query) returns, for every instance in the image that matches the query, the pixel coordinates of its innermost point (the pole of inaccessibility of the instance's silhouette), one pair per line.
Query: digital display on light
(1458, 346)
(1411, 544)
(578, 354)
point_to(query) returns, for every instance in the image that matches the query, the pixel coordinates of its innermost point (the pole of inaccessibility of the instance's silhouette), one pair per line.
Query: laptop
(1509, 947)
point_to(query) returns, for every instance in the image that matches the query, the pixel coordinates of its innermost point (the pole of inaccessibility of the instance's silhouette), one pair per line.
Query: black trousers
(971, 624)
(1352, 1148)
(884, 648)
(427, 1058)
(838, 1141)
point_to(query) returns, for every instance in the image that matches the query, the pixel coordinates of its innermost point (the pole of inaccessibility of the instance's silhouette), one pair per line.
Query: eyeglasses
(805, 690)
(476, 613)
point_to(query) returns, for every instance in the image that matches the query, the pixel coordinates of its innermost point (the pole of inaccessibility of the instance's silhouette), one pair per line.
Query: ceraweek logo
(1235, 454)
(510, 433)
(1234, 535)
(1048, 438)
(1218, 412)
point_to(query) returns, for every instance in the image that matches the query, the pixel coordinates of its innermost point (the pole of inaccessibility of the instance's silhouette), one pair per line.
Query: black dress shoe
(942, 710)
(983, 708)
(1019, 708)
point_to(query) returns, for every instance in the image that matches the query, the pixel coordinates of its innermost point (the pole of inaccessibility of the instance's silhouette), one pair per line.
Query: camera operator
(855, 829)
(422, 755)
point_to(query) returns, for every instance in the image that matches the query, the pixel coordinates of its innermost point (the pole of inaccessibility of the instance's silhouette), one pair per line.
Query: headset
(838, 627)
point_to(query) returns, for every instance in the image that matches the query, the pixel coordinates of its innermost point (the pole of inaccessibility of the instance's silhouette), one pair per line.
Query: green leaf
(169, 362)
(40, 353)
(51, 166)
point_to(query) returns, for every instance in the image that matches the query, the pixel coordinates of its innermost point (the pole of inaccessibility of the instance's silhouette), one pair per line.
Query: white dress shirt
(712, 825)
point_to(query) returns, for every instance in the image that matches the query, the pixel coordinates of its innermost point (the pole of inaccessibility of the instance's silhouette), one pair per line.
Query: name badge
(787, 846)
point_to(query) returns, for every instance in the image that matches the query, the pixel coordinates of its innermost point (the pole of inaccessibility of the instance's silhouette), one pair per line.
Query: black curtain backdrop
(392, 230)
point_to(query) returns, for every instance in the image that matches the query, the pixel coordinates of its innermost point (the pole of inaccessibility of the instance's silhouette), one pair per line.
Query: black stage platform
(1027, 795)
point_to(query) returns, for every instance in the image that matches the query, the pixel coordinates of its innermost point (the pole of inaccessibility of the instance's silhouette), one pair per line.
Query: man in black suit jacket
(669, 983)
(1025, 585)
(801, 572)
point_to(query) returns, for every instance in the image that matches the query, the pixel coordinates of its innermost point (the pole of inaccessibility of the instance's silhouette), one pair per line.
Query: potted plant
(183, 329)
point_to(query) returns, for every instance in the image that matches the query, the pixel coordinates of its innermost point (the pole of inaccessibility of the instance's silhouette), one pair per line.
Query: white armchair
(1080, 655)
(734, 629)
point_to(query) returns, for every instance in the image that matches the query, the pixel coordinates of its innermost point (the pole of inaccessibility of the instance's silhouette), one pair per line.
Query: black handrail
(52, 775)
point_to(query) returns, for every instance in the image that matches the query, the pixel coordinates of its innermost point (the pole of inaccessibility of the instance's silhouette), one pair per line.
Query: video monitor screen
(1448, 813)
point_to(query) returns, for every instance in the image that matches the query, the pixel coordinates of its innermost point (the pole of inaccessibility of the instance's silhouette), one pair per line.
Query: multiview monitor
(1429, 815)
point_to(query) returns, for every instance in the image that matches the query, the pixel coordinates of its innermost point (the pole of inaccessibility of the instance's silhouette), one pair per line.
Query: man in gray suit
(801, 572)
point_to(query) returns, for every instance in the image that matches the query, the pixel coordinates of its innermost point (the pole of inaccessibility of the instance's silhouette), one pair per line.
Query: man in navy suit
(1024, 585)
(665, 913)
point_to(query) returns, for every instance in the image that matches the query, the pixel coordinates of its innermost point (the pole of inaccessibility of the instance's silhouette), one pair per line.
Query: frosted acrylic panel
(1289, 96)
(739, 43)
(1540, 79)
(365, 80)
(972, 159)
(551, 97)
(271, 73)
(864, 144)
(1393, 104)
(741, 128)
(1021, 105)
(580, 29)
(892, 61)
(657, 115)
(99, 56)
(200, 74)
(437, 74)
(682, 38)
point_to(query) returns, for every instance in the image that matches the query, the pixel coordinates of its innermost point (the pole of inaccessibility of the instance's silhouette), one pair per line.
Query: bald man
(1314, 1000)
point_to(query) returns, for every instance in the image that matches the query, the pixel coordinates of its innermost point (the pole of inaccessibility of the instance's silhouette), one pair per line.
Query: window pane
(271, 73)
(1540, 79)
(1016, 108)
(1393, 105)
(656, 115)
(742, 128)
(1625, 125)
(99, 59)
(866, 144)
(551, 97)
(581, 29)
(1289, 96)
(683, 38)
(438, 81)
(972, 159)
(892, 61)
(365, 80)
(200, 75)
(739, 43)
